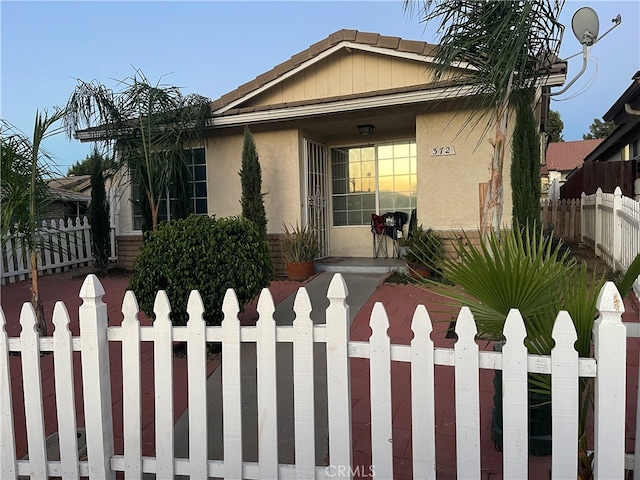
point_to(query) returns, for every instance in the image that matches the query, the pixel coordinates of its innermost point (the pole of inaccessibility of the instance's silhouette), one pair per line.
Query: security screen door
(317, 210)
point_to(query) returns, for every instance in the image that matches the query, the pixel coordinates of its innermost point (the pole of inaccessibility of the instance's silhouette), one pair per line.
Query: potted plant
(300, 247)
(423, 252)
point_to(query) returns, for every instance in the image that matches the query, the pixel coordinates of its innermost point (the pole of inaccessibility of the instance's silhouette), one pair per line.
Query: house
(353, 125)
(71, 197)
(561, 159)
(616, 160)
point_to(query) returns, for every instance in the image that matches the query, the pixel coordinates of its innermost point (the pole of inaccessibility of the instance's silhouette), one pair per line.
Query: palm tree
(25, 195)
(149, 126)
(507, 45)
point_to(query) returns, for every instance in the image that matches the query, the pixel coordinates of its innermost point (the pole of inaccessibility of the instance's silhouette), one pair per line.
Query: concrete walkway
(360, 287)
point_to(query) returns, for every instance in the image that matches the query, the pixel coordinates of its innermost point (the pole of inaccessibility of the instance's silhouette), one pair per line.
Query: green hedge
(204, 254)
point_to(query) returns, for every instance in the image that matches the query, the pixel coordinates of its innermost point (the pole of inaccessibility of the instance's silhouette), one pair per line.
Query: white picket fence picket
(611, 223)
(608, 367)
(63, 245)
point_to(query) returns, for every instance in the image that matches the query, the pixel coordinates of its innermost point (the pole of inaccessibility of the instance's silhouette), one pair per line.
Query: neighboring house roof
(69, 195)
(628, 123)
(565, 156)
(76, 183)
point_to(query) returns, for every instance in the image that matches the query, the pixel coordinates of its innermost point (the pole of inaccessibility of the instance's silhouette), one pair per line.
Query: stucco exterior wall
(449, 185)
(279, 154)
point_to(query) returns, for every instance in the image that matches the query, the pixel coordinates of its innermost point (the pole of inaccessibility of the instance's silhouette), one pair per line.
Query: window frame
(164, 213)
(377, 209)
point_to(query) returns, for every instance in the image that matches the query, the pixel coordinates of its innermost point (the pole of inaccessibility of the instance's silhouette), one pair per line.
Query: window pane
(354, 202)
(339, 218)
(355, 218)
(339, 186)
(355, 170)
(200, 189)
(385, 167)
(385, 184)
(368, 154)
(200, 173)
(339, 203)
(369, 202)
(369, 169)
(386, 201)
(403, 200)
(199, 157)
(401, 150)
(385, 151)
(201, 206)
(402, 183)
(402, 166)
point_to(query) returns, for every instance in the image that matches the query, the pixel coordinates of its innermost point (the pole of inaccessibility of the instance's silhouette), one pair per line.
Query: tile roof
(353, 36)
(565, 156)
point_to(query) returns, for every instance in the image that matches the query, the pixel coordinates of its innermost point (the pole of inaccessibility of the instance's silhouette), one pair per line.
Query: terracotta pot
(418, 270)
(300, 271)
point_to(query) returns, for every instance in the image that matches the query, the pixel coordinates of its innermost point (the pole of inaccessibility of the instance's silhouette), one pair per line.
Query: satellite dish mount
(585, 26)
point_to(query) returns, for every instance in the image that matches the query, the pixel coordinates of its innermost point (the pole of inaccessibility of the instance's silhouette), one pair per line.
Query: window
(196, 185)
(372, 179)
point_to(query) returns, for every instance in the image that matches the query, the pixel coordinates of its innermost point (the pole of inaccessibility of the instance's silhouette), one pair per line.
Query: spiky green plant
(299, 244)
(523, 269)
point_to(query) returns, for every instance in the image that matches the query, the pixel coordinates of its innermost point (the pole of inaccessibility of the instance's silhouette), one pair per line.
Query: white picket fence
(611, 223)
(96, 338)
(63, 245)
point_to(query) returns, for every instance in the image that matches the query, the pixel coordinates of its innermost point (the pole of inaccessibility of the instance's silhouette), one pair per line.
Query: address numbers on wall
(441, 151)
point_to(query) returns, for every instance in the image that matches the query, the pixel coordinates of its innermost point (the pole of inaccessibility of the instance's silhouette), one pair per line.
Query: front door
(317, 212)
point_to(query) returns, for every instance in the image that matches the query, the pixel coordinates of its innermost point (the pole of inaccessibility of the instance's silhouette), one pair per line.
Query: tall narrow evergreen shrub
(252, 199)
(525, 164)
(99, 213)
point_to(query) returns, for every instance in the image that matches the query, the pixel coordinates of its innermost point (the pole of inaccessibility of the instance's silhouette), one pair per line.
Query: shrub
(424, 248)
(99, 212)
(204, 254)
(300, 244)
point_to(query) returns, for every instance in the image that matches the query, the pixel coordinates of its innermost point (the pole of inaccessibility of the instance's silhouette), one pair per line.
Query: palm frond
(494, 45)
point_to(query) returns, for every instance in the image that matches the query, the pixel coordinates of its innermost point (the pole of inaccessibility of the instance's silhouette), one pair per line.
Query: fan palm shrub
(522, 268)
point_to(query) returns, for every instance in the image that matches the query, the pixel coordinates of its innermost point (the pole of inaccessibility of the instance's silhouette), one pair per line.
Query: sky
(212, 47)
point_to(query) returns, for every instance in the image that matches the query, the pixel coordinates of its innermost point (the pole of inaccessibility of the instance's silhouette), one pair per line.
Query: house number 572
(439, 151)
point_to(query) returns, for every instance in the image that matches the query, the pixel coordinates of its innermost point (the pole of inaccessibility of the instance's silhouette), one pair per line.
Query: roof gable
(347, 55)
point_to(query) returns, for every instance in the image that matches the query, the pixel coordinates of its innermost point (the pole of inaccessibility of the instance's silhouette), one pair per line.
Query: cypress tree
(99, 213)
(252, 199)
(525, 164)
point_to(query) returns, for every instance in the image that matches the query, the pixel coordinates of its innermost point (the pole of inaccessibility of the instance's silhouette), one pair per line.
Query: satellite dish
(585, 26)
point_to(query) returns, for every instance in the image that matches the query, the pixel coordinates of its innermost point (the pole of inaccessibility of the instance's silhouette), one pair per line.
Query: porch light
(365, 129)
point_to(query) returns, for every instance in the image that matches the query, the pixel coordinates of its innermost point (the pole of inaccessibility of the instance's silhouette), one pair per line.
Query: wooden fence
(565, 215)
(611, 223)
(63, 245)
(96, 339)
